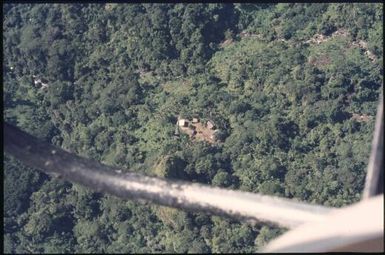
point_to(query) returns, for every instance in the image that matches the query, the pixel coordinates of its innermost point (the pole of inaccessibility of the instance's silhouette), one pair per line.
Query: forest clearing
(197, 130)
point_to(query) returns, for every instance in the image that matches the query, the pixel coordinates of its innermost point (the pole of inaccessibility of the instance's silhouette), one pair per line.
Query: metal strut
(173, 193)
(374, 183)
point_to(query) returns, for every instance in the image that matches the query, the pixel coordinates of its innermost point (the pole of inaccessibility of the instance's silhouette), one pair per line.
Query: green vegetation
(118, 76)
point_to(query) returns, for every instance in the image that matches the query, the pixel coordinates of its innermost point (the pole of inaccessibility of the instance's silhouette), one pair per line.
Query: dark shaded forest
(292, 87)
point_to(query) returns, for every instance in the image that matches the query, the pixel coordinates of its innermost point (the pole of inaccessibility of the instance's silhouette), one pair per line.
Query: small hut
(195, 120)
(37, 81)
(210, 124)
(183, 123)
(44, 85)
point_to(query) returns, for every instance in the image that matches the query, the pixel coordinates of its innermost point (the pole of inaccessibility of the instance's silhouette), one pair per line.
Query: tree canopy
(283, 82)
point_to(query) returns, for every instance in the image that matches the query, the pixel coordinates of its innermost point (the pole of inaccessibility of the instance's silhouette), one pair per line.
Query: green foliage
(19, 183)
(265, 235)
(119, 75)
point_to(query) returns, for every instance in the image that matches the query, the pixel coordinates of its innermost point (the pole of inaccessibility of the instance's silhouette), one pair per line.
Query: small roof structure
(183, 122)
(37, 81)
(44, 85)
(195, 120)
(210, 124)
